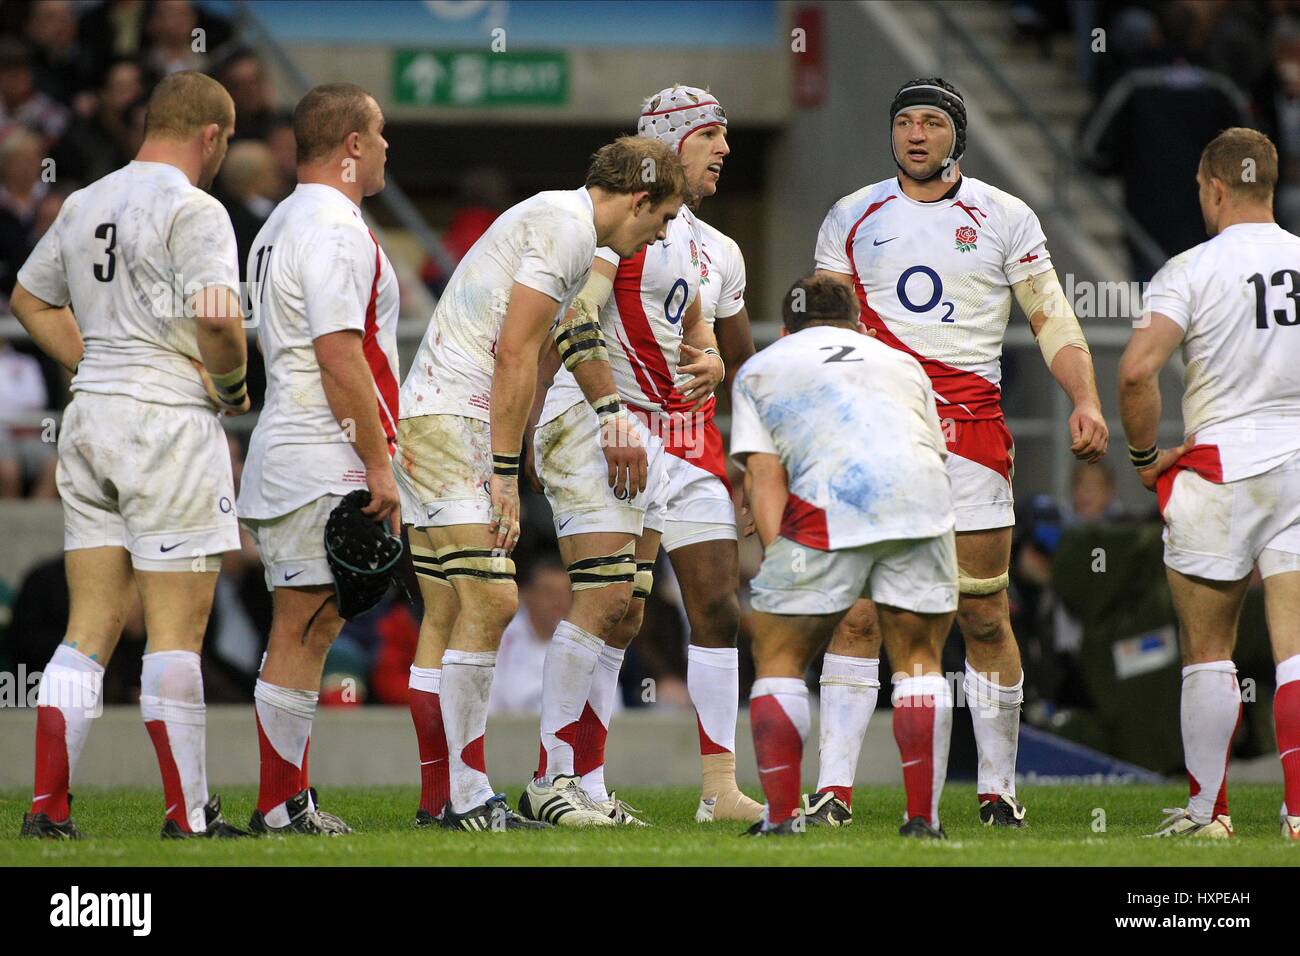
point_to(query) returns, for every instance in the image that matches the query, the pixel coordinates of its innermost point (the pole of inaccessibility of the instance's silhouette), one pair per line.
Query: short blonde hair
(326, 116)
(1244, 160)
(633, 164)
(183, 103)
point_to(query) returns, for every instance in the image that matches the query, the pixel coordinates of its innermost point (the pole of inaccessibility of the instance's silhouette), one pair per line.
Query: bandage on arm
(578, 338)
(1041, 295)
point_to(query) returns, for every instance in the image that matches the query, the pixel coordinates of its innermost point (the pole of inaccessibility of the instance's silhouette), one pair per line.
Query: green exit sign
(479, 78)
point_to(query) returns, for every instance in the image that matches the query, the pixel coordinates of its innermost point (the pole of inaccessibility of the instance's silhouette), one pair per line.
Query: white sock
(601, 697)
(284, 719)
(1211, 705)
(73, 684)
(171, 702)
(995, 714)
(566, 681)
(924, 738)
(849, 688)
(427, 679)
(713, 681)
(466, 686)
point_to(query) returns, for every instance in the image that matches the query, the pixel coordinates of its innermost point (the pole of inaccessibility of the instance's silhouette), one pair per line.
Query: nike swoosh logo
(164, 548)
(784, 766)
(290, 577)
(566, 521)
(913, 763)
(169, 809)
(425, 763)
(881, 242)
(431, 514)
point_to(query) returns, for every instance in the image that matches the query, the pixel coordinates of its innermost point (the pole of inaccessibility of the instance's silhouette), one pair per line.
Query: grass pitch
(123, 825)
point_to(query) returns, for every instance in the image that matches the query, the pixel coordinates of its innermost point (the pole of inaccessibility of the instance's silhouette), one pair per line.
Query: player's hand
(625, 457)
(384, 504)
(530, 467)
(1165, 459)
(214, 398)
(706, 371)
(1089, 435)
(505, 512)
(747, 523)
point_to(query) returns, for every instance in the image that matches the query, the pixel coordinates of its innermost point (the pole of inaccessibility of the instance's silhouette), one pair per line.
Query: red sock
(1286, 717)
(843, 793)
(778, 746)
(541, 762)
(51, 796)
(435, 781)
(914, 734)
(589, 744)
(173, 793)
(279, 779)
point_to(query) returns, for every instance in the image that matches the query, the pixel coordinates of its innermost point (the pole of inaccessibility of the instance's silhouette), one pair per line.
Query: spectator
(104, 141)
(23, 396)
(250, 185)
(248, 85)
(21, 103)
(173, 44)
(484, 194)
(62, 68)
(1278, 102)
(22, 180)
(544, 599)
(284, 147)
(114, 30)
(1092, 494)
(1150, 129)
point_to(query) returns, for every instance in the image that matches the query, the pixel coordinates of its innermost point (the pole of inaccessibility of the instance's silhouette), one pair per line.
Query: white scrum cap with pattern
(675, 113)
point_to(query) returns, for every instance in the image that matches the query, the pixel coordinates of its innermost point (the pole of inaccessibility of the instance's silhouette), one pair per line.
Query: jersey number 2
(104, 271)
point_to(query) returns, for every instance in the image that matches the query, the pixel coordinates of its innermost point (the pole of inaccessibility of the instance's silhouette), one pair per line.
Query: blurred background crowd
(74, 78)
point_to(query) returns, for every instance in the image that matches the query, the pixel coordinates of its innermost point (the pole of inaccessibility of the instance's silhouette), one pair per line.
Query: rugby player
(839, 520)
(1230, 492)
(935, 258)
(135, 290)
(324, 299)
(465, 404)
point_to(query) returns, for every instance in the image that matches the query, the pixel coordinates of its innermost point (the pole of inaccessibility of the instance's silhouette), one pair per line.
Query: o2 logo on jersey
(676, 301)
(936, 292)
(623, 494)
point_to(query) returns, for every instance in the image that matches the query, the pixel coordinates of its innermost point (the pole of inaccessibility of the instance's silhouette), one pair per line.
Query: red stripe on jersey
(380, 370)
(651, 368)
(1202, 459)
(710, 456)
(986, 443)
(960, 395)
(803, 522)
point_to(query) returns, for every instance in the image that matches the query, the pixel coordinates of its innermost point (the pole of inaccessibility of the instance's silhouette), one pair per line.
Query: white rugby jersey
(722, 274)
(314, 268)
(546, 243)
(128, 252)
(642, 323)
(934, 279)
(854, 423)
(1237, 296)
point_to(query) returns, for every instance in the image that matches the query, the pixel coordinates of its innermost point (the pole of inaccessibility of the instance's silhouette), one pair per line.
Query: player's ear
(862, 328)
(640, 202)
(211, 136)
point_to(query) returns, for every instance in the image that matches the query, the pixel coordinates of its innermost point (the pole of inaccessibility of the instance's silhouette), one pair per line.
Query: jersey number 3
(104, 271)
